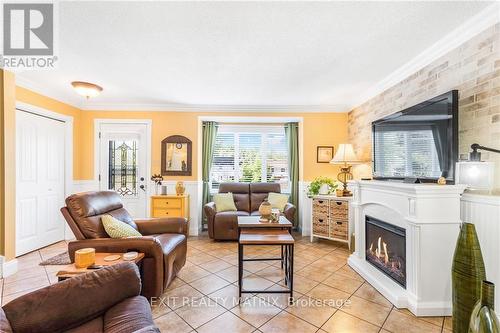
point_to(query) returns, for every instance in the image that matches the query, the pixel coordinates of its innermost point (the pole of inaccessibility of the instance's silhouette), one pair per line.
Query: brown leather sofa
(106, 300)
(163, 243)
(247, 198)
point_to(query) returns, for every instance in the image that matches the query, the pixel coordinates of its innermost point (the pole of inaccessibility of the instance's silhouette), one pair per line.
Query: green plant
(313, 188)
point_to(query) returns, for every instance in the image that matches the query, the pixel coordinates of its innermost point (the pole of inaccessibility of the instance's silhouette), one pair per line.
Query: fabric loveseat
(163, 240)
(106, 300)
(247, 198)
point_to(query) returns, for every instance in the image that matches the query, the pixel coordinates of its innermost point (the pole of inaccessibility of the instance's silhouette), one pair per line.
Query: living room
(262, 166)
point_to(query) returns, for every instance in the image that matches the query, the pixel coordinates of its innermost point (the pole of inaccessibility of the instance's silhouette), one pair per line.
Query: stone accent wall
(474, 69)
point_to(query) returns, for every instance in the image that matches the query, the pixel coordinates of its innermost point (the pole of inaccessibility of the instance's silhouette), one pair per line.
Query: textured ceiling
(240, 53)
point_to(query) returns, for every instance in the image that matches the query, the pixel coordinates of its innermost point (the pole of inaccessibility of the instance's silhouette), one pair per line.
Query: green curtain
(207, 151)
(292, 138)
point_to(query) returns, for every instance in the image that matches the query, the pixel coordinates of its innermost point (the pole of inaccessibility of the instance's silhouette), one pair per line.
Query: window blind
(250, 154)
(406, 154)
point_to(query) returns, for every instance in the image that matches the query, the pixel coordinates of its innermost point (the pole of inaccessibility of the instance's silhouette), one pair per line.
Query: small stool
(267, 237)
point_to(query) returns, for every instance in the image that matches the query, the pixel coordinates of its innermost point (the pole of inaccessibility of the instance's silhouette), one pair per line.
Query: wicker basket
(338, 205)
(320, 207)
(339, 230)
(321, 225)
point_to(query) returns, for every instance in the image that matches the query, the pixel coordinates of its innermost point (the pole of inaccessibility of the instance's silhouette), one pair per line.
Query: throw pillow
(224, 202)
(277, 200)
(118, 229)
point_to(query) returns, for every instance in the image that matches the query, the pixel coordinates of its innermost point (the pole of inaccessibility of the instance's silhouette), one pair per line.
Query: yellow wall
(30, 97)
(7, 165)
(319, 129)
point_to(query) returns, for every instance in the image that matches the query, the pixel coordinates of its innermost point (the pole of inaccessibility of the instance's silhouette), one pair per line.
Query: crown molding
(470, 28)
(86, 106)
(46, 91)
(218, 108)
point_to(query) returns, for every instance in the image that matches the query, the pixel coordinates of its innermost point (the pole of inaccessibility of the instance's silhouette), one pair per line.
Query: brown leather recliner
(163, 243)
(247, 199)
(106, 300)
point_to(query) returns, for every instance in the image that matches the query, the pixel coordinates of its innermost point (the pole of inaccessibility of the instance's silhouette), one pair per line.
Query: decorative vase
(164, 190)
(484, 318)
(352, 244)
(265, 209)
(275, 215)
(180, 188)
(324, 189)
(467, 274)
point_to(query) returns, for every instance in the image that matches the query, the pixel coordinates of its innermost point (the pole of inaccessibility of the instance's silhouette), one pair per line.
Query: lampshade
(86, 89)
(345, 155)
(477, 175)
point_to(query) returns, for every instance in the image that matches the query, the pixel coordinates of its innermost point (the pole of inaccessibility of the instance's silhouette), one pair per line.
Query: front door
(123, 164)
(40, 178)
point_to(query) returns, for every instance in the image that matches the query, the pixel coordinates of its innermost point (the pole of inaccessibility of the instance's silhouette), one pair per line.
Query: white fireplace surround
(430, 215)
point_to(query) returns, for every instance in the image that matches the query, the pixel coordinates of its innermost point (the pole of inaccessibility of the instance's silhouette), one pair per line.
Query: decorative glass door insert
(124, 163)
(122, 170)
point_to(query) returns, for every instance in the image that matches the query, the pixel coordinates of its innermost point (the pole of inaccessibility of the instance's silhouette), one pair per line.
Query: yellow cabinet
(170, 206)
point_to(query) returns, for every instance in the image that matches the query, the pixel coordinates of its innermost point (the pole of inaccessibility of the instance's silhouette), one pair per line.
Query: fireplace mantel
(430, 214)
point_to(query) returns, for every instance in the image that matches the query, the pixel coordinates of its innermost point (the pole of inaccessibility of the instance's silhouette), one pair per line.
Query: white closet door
(40, 149)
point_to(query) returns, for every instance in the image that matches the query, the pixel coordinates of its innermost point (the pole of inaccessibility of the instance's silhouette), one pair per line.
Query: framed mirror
(176, 156)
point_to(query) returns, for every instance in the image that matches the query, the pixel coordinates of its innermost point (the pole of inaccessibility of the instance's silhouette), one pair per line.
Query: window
(245, 153)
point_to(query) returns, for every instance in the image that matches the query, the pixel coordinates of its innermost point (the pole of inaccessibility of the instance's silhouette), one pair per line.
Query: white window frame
(238, 129)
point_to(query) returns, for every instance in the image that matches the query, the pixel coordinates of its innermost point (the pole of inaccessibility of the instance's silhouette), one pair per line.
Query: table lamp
(346, 157)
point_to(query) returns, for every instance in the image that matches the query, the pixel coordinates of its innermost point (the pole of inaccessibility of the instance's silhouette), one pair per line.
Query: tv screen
(418, 142)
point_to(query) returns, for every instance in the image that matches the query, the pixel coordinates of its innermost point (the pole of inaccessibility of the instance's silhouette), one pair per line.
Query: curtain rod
(253, 124)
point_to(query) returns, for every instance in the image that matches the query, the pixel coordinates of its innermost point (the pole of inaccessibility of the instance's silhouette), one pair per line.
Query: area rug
(60, 259)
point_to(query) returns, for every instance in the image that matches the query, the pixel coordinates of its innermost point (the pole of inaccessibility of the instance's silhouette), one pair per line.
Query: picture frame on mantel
(176, 156)
(324, 154)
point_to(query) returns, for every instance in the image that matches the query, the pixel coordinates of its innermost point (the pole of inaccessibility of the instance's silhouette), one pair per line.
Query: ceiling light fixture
(86, 89)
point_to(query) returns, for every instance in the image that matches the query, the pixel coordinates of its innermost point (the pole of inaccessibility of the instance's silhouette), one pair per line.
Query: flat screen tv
(419, 142)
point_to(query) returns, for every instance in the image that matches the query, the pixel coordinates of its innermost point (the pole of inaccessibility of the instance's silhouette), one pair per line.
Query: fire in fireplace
(386, 248)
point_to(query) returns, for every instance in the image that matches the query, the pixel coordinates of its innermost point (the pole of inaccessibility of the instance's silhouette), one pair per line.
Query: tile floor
(204, 296)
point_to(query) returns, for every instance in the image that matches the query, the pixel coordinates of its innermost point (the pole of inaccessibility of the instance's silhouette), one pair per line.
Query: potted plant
(321, 185)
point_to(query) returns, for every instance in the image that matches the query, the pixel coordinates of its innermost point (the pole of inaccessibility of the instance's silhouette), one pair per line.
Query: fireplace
(386, 248)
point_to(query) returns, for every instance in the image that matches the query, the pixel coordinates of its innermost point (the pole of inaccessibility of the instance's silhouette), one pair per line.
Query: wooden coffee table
(252, 222)
(271, 237)
(71, 270)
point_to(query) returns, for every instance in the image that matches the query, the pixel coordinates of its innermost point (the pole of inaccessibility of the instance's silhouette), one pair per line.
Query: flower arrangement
(316, 186)
(157, 179)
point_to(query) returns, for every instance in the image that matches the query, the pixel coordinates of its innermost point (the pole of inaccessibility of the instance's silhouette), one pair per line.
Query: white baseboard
(8, 268)
(193, 188)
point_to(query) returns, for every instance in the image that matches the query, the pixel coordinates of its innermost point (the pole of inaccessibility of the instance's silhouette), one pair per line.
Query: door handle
(142, 187)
